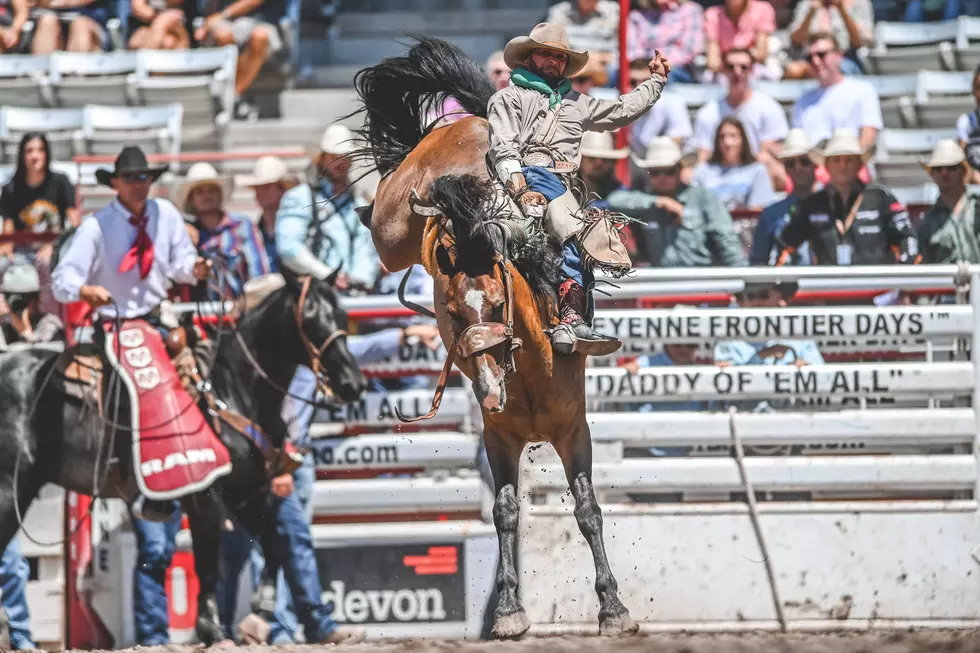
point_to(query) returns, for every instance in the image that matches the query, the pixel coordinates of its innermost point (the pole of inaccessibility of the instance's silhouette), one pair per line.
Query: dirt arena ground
(893, 642)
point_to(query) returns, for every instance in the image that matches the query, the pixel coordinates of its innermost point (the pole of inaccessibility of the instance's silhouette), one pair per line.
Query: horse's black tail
(397, 94)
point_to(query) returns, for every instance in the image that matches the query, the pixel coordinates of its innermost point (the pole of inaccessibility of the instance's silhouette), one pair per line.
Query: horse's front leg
(575, 451)
(206, 514)
(503, 453)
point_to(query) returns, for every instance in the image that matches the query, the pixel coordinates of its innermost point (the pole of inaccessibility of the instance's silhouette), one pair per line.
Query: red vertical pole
(622, 136)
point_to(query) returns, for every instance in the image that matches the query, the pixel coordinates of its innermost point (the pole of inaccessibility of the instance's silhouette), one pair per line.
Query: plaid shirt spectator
(676, 29)
(241, 245)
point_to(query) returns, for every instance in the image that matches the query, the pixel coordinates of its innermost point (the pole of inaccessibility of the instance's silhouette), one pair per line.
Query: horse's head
(323, 329)
(480, 308)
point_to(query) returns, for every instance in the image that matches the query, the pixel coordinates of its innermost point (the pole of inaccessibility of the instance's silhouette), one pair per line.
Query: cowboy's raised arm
(76, 265)
(183, 254)
(606, 115)
(504, 117)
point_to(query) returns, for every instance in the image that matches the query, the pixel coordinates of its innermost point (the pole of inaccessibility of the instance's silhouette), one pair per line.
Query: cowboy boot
(573, 334)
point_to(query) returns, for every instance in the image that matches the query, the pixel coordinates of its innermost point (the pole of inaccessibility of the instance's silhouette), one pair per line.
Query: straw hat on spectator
(663, 152)
(267, 170)
(544, 36)
(843, 142)
(601, 145)
(21, 278)
(202, 174)
(336, 139)
(946, 154)
(796, 143)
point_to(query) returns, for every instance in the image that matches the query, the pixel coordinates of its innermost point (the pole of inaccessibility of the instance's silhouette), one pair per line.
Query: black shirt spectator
(37, 199)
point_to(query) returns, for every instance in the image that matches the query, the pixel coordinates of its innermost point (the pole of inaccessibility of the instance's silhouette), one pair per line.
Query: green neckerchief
(526, 79)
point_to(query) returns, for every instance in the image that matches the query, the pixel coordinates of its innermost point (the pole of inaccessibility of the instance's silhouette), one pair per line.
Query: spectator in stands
(598, 167)
(949, 229)
(13, 17)
(593, 75)
(920, 11)
(592, 25)
(668, 117)
(762, 117)
(233, 239)
(15, 571)
(161, 24)
(968, 124)
(849, 222)
(675, 28)
(252, 26)
(850, 22)
(21, 317)
(743, 24)
(794, 156)
(839, 102)
(683, 226)
(72, 25)
(339, 240)
(497, 70)
(270, 180)
(733, 174)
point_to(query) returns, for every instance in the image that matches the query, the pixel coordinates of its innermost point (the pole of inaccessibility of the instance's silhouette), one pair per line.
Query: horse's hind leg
(206, 515)
(576, 456)
(510, 620)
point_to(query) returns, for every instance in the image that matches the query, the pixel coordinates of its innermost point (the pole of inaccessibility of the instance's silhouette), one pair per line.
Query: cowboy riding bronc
(536, 129)
(119, 263)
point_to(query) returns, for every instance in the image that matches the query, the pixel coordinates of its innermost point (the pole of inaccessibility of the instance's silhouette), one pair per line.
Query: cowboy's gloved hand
(515, 184)
(282, 486)
(202, 269)
(533, 204)
(94, 296)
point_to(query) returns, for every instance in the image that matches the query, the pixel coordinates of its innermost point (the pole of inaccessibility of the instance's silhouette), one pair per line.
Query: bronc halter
(476, 338)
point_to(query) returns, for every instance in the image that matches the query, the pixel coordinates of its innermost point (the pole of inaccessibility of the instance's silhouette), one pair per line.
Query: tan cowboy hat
(844, 142)
(202, 174)
(946, 153)
(336, 139)
(663, 152)
(544, 36)
(267, 170)
(600, 145)
(796, 143)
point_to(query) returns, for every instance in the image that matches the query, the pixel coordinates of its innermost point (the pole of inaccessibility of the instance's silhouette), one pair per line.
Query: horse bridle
(477, 338)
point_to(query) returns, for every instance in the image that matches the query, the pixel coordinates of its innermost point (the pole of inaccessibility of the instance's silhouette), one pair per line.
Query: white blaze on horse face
(474, 299)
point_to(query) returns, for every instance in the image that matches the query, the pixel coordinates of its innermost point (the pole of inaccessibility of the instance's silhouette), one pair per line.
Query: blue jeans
(156, 543)
(14, 574)
(915, 10)
(298, 414)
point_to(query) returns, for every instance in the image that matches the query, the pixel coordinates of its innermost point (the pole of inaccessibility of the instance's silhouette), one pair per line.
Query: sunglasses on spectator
(135, 177)
(738, 67)
(818, 54)
(663, 172)
(797, 162)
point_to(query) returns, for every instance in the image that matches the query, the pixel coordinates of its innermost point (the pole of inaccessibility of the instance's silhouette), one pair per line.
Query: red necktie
(142, 249)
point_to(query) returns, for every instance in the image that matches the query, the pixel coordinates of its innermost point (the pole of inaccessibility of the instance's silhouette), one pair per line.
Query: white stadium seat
(895, 93)
(106, 129)
(941, 97)
(102, 78)
(22, 80)
(61, 126)
(901, 47)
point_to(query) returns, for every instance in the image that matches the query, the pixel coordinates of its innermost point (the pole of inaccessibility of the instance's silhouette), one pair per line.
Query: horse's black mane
(398, 93)
(471, 205)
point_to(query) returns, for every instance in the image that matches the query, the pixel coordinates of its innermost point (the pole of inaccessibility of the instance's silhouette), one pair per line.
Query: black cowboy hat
(130, 160)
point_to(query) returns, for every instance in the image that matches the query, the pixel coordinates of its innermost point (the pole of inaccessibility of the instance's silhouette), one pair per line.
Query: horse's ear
(444, 261)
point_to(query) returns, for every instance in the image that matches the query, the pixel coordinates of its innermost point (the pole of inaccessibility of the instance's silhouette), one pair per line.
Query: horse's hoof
(253, 630)
(510, 626)
(345, 636)
(620, 624)
(225, 643)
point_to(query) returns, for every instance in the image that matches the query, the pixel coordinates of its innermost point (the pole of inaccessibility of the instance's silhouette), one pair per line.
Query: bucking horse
(494, 278)
(58, 428)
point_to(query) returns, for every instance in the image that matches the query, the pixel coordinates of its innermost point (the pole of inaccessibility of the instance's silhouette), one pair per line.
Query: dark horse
(53, 436)
(494, 293)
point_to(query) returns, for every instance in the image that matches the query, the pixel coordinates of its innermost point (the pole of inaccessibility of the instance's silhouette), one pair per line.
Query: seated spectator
(668, 117)
(850, 22)
(236, 241)
(675, 28)
(252, 26)
(762, 117)
(161, 24)
(598, 166)
(969, 123)
(733, 174)
(849, 222)
(683, 226)
(743, 24)
(592, 25)
(72, 25)
(794, 156)
(921, 11)
(949, 229)
(498, 71)
(21, 317)
(592, 75)
(37, 200)
(270, 179)
(13, 17)
(839, 102)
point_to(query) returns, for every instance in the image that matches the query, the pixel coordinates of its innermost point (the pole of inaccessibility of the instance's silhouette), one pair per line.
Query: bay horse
(494, 293)
(51, 435)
